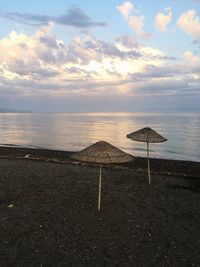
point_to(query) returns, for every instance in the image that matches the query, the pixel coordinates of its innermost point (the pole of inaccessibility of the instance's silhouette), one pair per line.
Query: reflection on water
(75, 131)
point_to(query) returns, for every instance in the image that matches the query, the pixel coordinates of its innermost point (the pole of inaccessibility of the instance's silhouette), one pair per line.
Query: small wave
(9, 145)
(22, 146)
(171, 151)
(143, 149)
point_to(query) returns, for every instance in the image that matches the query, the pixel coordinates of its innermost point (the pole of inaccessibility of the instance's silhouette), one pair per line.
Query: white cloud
(125, 9)
(43, 55)
(136, 23)
(190, 58)
(189, 23)
(162, 21)
(43, 65)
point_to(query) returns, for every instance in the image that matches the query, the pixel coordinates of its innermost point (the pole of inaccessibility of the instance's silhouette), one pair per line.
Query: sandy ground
(49, 217)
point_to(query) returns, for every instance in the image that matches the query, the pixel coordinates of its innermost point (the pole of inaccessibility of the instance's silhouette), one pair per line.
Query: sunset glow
(128, 53)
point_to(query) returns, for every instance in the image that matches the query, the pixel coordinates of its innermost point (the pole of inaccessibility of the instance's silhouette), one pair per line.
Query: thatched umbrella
(102, 153)
(149, 136)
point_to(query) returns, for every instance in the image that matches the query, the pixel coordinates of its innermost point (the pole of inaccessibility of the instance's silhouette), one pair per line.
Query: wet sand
(49, 217)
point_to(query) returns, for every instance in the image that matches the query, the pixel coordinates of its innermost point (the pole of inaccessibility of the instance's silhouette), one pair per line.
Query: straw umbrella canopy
(149, 136)
(102, 153)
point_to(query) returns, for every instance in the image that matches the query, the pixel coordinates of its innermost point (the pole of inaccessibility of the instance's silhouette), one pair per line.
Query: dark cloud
(165, 87)
(23, 46)
(150, 56)
(33, 69)
(197, 44)
(158, 72)
(102, 49)
(74, 16)
(83, 51)
(168, 58)
(27, 18)
(76, 70)
(111, 50)
(77, 18)
(128, 41)
(50, 42)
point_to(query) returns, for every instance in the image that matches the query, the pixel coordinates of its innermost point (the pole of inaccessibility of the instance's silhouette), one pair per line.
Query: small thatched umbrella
(149, 136)
(102, 153)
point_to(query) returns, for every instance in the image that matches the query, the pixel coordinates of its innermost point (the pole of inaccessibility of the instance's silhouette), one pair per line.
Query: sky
(100, 56)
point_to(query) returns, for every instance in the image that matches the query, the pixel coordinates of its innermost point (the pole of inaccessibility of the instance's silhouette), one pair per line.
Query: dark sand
(49, 217)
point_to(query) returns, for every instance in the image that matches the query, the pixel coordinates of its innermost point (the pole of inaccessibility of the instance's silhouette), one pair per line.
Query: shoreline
(135, 153)
(162, 165)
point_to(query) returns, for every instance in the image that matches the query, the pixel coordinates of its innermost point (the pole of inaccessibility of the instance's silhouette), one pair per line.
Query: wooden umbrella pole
(99, 196)
(148, 163)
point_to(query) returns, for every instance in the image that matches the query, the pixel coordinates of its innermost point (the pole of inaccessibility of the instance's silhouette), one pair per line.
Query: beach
(49, 217)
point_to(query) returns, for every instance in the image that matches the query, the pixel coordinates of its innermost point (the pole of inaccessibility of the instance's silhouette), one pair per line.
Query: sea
(75, 131)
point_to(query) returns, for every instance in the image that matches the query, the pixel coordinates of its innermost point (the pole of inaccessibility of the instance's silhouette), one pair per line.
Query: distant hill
(6, 110)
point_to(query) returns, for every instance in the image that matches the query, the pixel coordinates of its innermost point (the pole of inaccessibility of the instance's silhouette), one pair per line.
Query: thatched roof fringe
(103, 153)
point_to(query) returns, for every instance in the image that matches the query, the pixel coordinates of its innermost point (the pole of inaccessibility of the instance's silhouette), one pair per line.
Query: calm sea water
(75, 131)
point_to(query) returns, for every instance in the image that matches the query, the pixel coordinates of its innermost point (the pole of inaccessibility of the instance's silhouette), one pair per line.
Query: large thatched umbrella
(102, 153)
(149, 136)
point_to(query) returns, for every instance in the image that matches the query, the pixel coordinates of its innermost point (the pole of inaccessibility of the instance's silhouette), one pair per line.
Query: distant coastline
(4, 110)
(184, 111)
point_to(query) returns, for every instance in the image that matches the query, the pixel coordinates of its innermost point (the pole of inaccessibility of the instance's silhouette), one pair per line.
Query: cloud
(125, 9)
(74, 16)
(161, 73)
(137, 23)
(45, 59)
(43, 66)
(146, 35)
(134, 22)
(29, 58)
(190, 58)
(189, 23)
(128, 41)
(162, 21)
